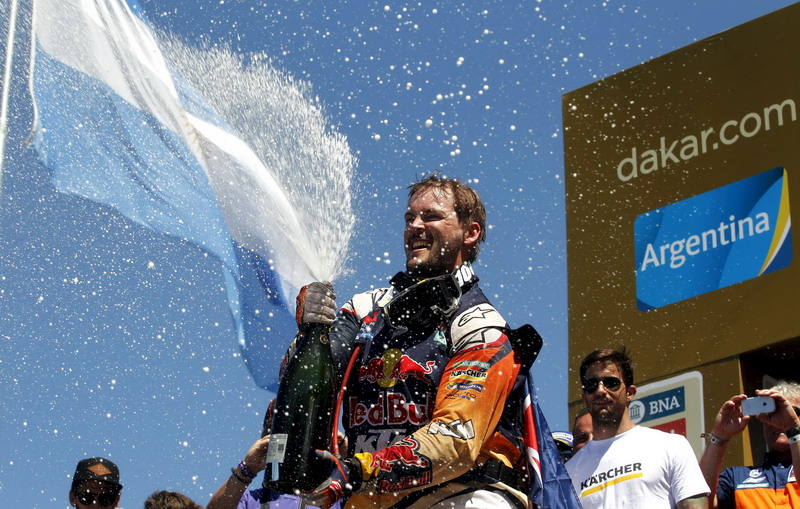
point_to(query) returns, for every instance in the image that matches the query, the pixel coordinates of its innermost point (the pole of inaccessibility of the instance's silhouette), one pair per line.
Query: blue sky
(116, 340)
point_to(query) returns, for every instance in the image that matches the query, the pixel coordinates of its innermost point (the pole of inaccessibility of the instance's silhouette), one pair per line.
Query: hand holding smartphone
(758, 405)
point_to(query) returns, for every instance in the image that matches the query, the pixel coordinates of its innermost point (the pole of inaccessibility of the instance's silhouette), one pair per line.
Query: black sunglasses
(611, 383)
(104, 499)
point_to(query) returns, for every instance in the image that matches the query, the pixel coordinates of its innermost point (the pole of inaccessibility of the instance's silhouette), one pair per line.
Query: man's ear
(631, 392)
(471, 234)
(72, 500)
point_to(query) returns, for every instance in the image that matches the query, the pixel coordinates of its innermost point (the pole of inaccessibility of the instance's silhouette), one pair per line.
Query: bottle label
(277, 447)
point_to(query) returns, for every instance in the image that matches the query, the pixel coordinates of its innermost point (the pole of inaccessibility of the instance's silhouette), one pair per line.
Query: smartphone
(758, 405)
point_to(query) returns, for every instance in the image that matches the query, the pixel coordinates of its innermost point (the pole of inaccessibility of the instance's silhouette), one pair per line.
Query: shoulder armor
(477, 325)
(362, 304)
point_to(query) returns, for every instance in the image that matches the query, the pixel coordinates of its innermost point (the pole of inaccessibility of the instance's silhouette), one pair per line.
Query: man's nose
(416, 223)
(601, 388)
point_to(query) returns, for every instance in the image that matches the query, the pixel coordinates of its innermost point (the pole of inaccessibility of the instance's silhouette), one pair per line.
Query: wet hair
(466, 202)
(170, 500)
(787, 389)
(621, 358)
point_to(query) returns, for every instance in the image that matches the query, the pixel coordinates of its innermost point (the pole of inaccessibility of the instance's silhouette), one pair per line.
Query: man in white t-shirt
(625, 465)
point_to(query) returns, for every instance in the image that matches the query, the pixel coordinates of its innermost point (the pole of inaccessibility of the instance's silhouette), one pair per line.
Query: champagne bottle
(303, 415)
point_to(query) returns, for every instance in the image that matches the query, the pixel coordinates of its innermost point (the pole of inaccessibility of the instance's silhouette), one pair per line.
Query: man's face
(93, 492)
(606, 405)
(582, 432)
(776, 438)
(434, 239)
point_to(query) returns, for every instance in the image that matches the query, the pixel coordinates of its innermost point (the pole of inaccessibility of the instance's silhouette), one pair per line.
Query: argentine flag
(116, 124)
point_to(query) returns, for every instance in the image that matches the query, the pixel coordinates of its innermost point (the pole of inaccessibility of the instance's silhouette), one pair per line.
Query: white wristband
(714, 439)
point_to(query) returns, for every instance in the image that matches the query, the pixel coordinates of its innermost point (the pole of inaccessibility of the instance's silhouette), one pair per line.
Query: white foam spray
(287, 128)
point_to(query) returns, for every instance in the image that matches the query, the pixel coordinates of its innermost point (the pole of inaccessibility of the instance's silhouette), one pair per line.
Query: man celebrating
(625, 465)
(773, 484)
(425, 410)
(95, 484)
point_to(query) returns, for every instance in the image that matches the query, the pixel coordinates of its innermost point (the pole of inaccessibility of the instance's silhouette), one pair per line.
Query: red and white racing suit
(426, 411)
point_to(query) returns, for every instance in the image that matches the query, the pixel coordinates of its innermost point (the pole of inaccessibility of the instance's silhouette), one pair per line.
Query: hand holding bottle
(256, 457)
(345, 478)
(316, 304)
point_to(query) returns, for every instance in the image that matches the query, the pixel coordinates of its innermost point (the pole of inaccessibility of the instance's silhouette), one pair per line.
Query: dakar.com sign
(669, 151)
(713, 240)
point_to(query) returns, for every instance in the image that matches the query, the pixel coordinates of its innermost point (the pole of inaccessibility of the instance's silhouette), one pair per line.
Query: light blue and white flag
(117, 125)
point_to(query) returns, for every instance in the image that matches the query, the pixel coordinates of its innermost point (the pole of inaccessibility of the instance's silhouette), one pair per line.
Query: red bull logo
(404, 483)
(401, 466)
(394, 365)
(392, 409)
(403, 452)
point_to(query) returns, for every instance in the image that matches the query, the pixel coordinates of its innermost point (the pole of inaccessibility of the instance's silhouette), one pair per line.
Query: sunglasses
(103, 499)
(611, 383)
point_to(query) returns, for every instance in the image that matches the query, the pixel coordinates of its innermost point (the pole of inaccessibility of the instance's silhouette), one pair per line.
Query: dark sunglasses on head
(611, 383)
(104, 499)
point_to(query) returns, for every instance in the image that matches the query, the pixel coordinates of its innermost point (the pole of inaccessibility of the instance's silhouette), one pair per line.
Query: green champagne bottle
(302, 417)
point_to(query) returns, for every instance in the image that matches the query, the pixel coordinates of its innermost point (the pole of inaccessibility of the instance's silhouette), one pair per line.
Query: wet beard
(428, 268)
(420, 272)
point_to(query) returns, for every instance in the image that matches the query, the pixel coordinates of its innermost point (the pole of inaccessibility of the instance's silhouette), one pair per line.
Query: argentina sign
(713, 240)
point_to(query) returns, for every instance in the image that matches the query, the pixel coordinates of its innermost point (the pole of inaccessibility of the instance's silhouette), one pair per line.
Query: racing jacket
(426, 411)
(771, 485)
